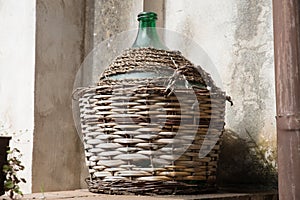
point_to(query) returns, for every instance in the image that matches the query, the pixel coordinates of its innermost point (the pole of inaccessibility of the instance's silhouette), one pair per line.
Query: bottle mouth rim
(147, 15)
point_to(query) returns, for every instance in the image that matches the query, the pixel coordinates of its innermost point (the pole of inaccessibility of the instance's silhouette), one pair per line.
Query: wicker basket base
(122, 187)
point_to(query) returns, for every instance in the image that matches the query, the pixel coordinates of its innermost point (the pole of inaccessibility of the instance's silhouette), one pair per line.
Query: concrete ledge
(86, 195)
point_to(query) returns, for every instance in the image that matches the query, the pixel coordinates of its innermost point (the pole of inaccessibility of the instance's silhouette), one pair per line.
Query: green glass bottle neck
(147, 35)
(145, 23)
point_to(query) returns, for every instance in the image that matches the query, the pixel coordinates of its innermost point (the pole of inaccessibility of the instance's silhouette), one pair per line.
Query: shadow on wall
(243, 166)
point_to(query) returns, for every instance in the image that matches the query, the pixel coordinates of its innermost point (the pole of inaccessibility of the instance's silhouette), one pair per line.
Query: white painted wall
(238, 38)
(17, 62)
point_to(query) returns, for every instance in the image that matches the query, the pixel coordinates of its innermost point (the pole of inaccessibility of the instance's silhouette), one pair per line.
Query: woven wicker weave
(142, 135)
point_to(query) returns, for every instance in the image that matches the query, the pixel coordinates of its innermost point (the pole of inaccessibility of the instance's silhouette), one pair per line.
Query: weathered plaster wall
(238, 38)
(59, 52)
(17, 53)
(113, 17)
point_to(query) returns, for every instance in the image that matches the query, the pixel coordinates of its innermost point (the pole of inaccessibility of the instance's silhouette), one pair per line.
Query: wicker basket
(143, 135)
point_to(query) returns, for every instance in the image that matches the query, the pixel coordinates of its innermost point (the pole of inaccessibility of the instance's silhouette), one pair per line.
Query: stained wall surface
(238, 38)
(59, 51)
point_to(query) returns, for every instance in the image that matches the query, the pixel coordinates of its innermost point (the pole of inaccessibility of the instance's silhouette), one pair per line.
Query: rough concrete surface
(85, 195)
(59, 42)
(113, 17)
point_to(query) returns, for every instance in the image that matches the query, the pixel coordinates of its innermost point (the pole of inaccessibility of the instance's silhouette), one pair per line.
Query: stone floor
(85, 195)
